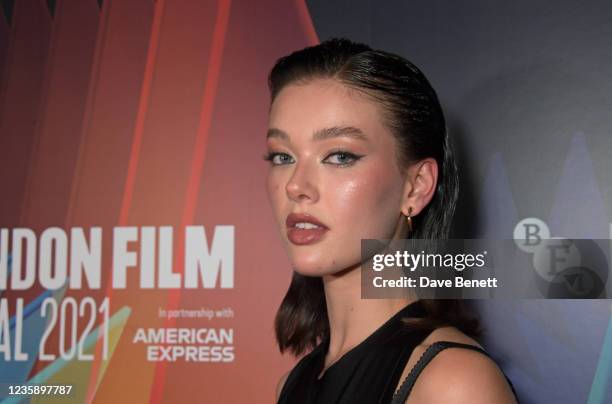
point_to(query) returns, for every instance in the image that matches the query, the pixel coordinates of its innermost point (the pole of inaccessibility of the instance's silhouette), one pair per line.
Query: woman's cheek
(356, 201)
(367, 186)
(367, 205)
(275, 195)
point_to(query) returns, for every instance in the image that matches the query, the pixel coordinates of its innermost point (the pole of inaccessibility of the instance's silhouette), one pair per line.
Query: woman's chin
(313, 268)
(311, 271)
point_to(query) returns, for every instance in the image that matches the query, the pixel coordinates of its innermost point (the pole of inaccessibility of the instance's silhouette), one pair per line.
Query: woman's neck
(352, 319)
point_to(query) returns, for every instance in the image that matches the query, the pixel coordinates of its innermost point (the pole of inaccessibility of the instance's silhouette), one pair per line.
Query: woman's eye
(278, 158)
(342, 158)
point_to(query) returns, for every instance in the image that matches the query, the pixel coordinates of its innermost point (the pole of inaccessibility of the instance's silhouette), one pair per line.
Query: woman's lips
(303, 236)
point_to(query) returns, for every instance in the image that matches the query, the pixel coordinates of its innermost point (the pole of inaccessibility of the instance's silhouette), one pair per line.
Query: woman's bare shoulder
(457, 375)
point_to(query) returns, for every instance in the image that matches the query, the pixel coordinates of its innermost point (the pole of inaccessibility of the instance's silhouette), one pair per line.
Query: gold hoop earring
(409, 219)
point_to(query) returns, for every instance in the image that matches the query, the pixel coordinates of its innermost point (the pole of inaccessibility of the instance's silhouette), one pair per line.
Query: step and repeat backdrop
(139, 259)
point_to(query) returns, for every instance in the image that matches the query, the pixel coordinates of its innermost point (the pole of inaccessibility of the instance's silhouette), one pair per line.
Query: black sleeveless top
(370, 371)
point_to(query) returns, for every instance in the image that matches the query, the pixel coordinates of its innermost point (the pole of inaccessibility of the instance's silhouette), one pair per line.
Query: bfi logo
(565, 267)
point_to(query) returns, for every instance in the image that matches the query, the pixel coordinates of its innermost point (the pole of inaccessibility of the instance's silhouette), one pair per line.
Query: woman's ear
(421, 181)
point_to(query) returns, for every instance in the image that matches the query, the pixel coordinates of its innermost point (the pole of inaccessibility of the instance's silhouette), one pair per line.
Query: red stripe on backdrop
(143, 105)
(210, 90)
(128, 189)
(306, 21)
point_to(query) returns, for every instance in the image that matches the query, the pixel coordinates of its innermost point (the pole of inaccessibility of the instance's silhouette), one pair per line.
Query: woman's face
(333, 160)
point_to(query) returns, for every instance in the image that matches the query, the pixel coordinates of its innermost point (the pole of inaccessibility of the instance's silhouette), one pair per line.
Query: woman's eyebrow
(325, 133)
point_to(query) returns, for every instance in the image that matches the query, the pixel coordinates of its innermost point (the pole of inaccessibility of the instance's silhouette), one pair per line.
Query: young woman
(358, 149)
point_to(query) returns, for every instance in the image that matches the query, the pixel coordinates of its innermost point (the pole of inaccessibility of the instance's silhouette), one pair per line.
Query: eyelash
(353, 157)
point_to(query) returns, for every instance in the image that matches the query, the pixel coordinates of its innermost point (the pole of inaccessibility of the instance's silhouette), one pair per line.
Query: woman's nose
(302, 184)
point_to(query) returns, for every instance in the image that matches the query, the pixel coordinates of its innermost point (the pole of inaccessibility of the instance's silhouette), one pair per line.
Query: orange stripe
(197, 164)
(306, 21)
(128, 189)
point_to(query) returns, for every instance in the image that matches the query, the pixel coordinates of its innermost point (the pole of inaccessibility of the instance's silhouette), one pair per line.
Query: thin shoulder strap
(402, 393)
